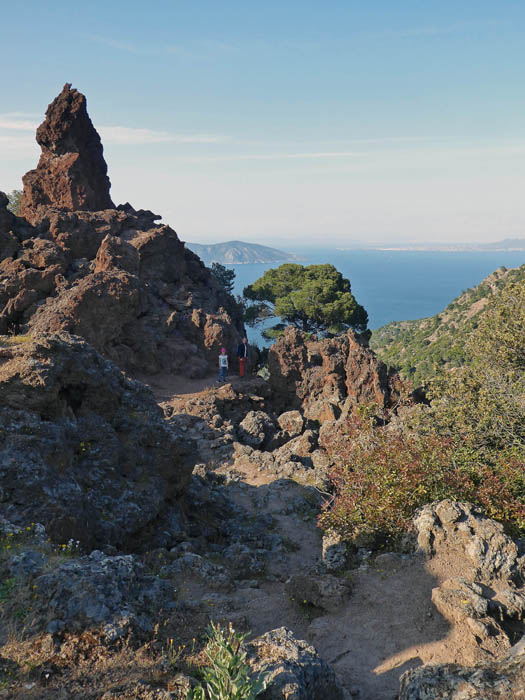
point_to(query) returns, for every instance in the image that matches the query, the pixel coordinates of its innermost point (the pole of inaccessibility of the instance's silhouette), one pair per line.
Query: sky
(286, 123)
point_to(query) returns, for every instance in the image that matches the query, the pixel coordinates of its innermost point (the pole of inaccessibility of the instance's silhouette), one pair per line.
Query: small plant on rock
(228, 675)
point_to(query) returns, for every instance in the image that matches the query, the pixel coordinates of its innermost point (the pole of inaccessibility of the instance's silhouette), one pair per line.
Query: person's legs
(242, 364)
(222, 374)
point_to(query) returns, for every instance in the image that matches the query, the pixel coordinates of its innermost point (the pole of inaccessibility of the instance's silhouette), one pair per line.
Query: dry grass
(10, 340)
(84, 666)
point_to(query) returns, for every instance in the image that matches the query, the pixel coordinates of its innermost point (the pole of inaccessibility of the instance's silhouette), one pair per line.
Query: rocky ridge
(126, 284)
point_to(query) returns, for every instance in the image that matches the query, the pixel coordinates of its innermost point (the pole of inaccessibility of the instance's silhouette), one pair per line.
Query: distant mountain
(238, 252)
(419, 349)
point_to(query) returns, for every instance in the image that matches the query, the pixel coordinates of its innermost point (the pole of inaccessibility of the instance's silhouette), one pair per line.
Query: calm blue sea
(396, 285)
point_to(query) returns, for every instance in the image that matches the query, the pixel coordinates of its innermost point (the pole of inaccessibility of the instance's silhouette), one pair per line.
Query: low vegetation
(227, 676)
(469, 445)
(224, 276)
(14, 201)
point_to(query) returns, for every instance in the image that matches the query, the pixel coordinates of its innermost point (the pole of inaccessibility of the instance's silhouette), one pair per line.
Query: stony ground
(252, 555)
(387, 623)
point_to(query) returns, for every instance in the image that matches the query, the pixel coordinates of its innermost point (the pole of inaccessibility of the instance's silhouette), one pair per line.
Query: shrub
(228, 676)
(384, 474)
(469, 446)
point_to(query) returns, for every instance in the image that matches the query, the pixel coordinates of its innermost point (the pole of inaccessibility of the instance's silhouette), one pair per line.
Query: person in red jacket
(242, 354)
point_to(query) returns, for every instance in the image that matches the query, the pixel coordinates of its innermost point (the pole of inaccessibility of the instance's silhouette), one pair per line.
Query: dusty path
(170, 387)
(388, 623)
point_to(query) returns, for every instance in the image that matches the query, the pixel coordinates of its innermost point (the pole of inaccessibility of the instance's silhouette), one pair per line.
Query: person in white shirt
(223, 366)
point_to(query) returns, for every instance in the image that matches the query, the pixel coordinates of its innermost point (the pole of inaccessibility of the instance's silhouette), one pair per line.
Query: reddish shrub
(384, 475)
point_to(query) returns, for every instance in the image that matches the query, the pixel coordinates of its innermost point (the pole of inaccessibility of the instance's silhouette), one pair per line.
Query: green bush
(228, 675)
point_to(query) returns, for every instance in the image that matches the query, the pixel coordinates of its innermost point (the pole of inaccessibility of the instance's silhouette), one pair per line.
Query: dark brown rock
(327, 378)
(71, 173)
(114, 276)
(97, 309)
(116, 254)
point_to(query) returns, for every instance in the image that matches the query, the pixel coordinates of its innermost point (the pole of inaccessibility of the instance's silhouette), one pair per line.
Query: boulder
(83, 450)
(298, 449)
(256, 428)
(293, 669)
(486, 601)
(112, 593)
(325, 592)
(501, 680)
(453, 529)
(334, 551)
(292, 422)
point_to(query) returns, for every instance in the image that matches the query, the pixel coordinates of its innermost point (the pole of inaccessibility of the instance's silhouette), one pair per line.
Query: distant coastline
(508, 245)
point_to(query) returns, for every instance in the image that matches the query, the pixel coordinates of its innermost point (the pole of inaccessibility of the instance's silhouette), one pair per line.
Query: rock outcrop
(71, 173)
(484, 598)
(326, 378)
(293, 669)
(113, 593)
(503, 680)
(114, 276)
(83, 450)
(450, 528)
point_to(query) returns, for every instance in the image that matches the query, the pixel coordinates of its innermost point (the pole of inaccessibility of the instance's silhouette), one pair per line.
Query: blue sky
(287, 122)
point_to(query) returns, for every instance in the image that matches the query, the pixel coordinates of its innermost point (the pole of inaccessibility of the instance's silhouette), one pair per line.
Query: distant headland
(239, 253)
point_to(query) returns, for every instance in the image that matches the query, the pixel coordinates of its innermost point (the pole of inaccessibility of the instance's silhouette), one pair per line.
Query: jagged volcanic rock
(71, 173)
(293, 668)
(83, 450)
(326, 378)
(114, 276)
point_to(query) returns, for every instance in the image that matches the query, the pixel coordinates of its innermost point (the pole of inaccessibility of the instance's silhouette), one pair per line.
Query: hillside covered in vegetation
(420, 348)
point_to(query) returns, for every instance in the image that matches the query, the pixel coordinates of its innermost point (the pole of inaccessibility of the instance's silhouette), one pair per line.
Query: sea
(394, 285)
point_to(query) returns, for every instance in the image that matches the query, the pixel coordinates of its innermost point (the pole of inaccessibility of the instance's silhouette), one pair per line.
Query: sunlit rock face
(71, 173)
(74, 262)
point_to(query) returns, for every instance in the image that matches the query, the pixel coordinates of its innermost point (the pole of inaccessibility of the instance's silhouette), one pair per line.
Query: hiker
(242, 354)
(223, 366)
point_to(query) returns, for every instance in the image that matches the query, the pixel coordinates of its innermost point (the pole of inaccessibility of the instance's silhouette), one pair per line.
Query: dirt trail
(169, 386)
(388, 623)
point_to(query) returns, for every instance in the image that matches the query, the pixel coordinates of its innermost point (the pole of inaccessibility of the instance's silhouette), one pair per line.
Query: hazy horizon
(285, 122)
